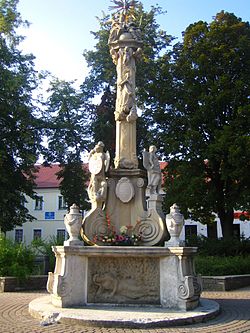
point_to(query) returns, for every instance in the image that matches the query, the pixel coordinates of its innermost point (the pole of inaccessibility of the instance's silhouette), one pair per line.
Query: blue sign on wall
(49, 215)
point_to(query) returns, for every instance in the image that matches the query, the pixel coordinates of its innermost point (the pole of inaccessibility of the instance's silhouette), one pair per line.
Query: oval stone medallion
(124, 190)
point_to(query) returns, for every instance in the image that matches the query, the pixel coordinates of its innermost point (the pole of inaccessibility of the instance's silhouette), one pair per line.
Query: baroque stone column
(125, 49)
(121, 203)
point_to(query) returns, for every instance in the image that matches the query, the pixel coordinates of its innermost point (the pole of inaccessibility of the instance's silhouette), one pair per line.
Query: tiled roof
(46, 175)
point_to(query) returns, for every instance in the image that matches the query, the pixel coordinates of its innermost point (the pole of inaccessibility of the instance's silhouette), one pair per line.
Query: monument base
(126, 276)
(123, 317)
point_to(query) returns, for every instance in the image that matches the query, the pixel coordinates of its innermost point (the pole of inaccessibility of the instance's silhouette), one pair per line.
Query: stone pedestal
(124, 275)
(126, 206)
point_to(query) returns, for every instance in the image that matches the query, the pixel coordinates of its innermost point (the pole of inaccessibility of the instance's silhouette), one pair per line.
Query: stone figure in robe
(125, 103)
(98, 165)
(152, 165)
(123, 40)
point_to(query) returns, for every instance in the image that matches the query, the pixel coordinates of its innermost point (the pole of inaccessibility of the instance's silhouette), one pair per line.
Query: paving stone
(234, 316)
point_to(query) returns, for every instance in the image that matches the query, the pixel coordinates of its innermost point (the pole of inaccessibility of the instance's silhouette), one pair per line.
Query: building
(49, 209)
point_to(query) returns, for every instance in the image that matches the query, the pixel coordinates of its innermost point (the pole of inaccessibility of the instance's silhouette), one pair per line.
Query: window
(60, 234)
(236, 231)
(37, 234)
(39, 203)
(61, 202)
(212, 230)
(19, 235)
(190, 230)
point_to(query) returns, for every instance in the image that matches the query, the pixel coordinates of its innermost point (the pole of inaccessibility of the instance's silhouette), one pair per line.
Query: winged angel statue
(98, 165)
(152, 165)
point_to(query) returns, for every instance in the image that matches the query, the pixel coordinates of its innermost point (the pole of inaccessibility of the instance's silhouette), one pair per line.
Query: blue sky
(60, 29)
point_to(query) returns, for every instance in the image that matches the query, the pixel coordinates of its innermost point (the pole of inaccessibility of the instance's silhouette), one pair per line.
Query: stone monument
(121, 196)
(140, 268)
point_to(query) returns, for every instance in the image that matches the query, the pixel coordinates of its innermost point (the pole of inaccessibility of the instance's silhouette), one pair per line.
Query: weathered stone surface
(126, 206)
(73, 222)
(125, 275)
(124, 190)
(174, 222)
(123, 280)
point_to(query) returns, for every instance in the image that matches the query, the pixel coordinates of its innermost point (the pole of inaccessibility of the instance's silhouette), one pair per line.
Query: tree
(67, 135)
(101, 80)
(204, 123)
(19, 136)
(103, 122)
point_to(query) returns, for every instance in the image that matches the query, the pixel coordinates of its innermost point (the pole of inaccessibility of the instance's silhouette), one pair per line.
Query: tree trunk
(212, 230)
(226, 219)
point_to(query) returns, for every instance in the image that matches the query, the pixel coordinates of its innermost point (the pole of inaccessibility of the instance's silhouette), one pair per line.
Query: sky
(60, 29)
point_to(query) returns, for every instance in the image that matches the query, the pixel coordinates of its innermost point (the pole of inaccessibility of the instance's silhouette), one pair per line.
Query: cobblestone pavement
(234, 316)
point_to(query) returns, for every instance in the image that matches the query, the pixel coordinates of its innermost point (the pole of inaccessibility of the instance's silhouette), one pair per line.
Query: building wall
(244, 228)
(48, 220)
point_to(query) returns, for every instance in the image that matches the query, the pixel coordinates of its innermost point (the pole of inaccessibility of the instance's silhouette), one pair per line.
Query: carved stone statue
(115, 30)
(152, 165)
(98, 165)
(125, 48)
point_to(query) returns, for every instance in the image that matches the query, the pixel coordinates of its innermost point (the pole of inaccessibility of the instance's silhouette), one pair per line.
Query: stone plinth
(126, 206)
(136, 276)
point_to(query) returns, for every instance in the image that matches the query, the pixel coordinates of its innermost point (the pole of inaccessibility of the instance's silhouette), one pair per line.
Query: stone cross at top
(125, 48)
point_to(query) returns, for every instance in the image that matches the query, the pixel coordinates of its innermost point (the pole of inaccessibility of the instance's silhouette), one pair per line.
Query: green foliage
(204, 123)
(19, 136)
(221, 256)
(220, 247)
(216, 266)
(67, 134)
(44, 248)
(66, 122)
(103, 122)
(73, 184)
(101, 80)
(15, 259)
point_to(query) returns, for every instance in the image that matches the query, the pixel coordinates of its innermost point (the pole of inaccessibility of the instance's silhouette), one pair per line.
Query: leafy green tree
(67, 137)
(103, 122)
(204, 123)
(101, 80)
(19, 136)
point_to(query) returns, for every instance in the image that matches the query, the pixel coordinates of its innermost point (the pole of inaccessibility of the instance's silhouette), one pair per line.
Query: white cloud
(54, 56)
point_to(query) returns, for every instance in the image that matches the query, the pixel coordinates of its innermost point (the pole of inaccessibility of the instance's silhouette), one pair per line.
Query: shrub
(16, 259)
(213, 265)
(44, 248)
(220, 247)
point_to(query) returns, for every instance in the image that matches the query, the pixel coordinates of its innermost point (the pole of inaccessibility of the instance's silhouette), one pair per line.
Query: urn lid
(74, 209)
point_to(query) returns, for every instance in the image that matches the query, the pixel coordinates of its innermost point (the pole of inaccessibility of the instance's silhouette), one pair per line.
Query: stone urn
(73, 223)
(174, 222)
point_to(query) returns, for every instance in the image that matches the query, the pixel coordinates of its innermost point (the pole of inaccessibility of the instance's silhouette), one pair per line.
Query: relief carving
(109, 283)
(131, 280)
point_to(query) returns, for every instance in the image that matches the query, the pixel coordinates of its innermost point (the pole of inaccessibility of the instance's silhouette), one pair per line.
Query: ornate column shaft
(125, 48)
